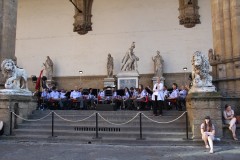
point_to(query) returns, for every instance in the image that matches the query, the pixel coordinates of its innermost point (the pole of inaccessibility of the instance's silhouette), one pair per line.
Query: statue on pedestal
(16, 77)
(129, 61)
(202, 80)
(49, 68)
(158, 65)
(110, 66)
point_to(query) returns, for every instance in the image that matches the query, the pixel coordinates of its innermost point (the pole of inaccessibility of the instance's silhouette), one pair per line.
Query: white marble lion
(16, 77)
(200, 73)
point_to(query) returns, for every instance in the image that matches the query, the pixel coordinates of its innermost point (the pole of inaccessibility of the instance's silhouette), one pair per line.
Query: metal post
(97, 137)
(10, 123)
(186, 113)
(52, 124)
(140, 127)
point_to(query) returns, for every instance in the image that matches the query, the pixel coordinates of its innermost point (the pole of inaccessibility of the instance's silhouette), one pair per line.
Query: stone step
(129, 134)
(85, 127)
(104, 140)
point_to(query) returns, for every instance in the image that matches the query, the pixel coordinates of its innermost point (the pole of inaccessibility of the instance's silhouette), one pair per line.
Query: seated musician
(75, 97)
(101, 96)
(129, 101)
(117, 98)
(54, 98)
(174, 95)
(166, 95)
(182, 96)
(90, 99)
(141, 97)
(45, 97)
(63, 99)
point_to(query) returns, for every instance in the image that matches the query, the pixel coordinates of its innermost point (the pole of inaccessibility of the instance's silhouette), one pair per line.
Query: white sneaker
(211, 151)
(207, 146)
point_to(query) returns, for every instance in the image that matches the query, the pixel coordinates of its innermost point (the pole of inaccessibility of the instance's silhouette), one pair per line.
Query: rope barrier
(32, 120)
(119, 124)
(72, 120)
(164, 122)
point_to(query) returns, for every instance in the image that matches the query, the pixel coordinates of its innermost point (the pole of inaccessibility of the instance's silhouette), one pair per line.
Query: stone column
(8, 20)
(226, 41)
(204, 104)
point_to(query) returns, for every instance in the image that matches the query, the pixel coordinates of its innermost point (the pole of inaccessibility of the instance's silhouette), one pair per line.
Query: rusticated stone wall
(68, 83)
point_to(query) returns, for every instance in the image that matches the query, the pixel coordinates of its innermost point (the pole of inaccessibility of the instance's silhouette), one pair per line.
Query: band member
(158, 97)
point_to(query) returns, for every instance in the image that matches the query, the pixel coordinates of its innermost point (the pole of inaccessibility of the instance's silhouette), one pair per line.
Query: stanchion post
(186, 113)
(140, 127)
(97, 137)
(52, 124)
(10, 131)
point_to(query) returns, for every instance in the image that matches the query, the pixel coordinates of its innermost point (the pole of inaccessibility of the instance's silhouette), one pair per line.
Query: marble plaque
(127, 82)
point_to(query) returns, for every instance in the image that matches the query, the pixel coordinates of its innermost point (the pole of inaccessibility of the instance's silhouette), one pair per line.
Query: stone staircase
(69, 128)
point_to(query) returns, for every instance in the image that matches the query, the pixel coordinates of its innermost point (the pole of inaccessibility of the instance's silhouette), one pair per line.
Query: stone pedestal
(109, 82)
(127, 79)
(22, 105)
(204, 104)
(154, 80)
(51, 83)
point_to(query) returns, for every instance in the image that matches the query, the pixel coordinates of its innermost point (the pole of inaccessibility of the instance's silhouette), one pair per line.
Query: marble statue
(48, 68)
(158, 65)
(202, 80)
(129, 61)
(110, 66)
(14, 75)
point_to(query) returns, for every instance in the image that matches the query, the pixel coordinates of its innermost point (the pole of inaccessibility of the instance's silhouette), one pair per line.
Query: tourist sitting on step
(125, 98)
(174, 96)
(45, 97)
(181, 101)
(54, 98)
(208, 133)
(140, 98)
(229, 118)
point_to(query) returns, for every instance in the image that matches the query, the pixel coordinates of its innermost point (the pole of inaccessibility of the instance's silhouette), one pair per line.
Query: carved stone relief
(83, 14)
(188, 13)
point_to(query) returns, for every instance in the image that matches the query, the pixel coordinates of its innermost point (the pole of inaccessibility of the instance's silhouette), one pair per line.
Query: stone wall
(97, 81)
(152, 24)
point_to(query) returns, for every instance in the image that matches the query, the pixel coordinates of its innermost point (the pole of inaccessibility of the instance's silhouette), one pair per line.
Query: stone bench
(227, 134)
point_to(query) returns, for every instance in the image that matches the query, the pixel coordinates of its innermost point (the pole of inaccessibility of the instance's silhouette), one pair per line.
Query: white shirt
(75, 94)
(158, 91)
(54, 95)
(174, 94)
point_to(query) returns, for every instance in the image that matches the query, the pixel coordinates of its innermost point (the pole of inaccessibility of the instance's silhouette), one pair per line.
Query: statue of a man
(158, 65)
(48, 68)
(129, 61)
(110, 66)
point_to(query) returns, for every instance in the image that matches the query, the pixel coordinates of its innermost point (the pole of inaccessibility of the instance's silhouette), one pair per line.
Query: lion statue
(16, 77)
(200, 72)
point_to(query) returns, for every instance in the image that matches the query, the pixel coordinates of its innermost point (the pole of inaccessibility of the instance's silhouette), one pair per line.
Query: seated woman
(208, 133)
(229, 118)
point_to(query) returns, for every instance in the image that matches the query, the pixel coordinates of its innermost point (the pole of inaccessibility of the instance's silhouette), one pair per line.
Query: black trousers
(157, 107)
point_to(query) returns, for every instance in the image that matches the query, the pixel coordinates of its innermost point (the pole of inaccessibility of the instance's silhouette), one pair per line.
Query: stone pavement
(10, 150)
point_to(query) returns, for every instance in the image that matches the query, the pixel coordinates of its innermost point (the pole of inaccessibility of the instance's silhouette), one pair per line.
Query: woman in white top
(229, 118)
(208, 133)
(158, 97)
